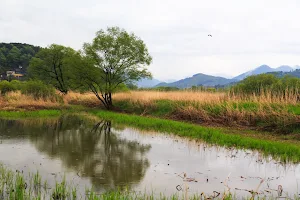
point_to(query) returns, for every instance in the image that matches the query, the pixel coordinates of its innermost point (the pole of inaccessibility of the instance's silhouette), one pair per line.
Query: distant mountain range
(264, 69)
(197, 79)
(148, 83)
(209, 80)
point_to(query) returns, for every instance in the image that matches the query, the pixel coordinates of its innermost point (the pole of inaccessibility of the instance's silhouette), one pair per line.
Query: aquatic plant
(15, 186)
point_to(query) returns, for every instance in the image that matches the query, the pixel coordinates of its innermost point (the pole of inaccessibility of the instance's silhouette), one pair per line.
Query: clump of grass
(15, 186)
(30, 114)
(6, 87)
(60, 191)
(37, 179)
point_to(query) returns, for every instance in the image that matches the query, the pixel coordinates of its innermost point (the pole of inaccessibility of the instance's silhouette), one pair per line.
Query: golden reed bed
(17, 100)
(189, 96)
(216, 109)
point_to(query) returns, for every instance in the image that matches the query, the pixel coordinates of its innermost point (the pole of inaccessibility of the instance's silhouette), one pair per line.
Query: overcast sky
(246, 34)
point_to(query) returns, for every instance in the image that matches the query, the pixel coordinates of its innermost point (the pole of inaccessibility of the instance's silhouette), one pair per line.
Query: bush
(6, 87)
(17, 84)
(268, 83)
(166, 89)
(38, 90)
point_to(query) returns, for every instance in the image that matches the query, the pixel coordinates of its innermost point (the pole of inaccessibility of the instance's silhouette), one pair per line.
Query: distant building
(18, 76)
(9, 75)
(20, 70)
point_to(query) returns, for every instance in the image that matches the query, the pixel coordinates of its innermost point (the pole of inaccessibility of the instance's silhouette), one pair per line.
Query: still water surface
(107, 156)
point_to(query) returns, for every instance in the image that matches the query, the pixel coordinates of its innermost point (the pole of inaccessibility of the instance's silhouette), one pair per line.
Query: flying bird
(209, 35)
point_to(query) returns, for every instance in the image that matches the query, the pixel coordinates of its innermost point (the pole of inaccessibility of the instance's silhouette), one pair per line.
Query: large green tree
(2, 60)
(115, 57)
(14, 56)
(53, 65)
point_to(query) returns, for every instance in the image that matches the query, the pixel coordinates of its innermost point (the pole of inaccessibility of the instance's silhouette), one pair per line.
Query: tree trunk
(108, 101)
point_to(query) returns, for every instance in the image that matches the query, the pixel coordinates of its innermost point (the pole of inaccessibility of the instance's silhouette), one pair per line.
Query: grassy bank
(30, 114)
(267, 112)
(280, 114)
(272, 117)
(281, 150)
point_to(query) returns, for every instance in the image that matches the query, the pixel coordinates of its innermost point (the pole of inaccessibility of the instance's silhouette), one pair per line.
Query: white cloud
(245, 33)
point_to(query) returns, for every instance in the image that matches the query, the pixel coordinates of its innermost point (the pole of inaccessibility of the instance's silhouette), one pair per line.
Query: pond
(105, 156)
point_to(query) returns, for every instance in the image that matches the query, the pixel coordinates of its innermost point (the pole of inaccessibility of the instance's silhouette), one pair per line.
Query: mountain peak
(263, 68)
(199, 74)
(284, 68)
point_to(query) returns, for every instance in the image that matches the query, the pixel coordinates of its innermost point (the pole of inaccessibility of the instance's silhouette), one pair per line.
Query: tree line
(268, 84)
(15, 55)
(111, 60)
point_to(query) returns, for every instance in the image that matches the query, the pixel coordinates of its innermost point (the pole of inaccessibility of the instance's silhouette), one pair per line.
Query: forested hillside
(13, 55)
(295, 73)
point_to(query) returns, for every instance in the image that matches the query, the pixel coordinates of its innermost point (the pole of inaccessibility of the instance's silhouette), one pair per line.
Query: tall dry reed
(16, 100)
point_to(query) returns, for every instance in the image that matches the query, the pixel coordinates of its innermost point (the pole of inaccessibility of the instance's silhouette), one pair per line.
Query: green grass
(159, 108)
(294, 109)
(30, 114)
(272, 117)
(284, 151)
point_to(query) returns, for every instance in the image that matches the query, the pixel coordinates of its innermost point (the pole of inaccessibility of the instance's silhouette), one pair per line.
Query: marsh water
(107, 156)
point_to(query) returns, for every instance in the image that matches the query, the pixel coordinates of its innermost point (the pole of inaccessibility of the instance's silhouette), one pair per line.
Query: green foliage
(60, 191)
(122, 88)
(287, 83)
(13, 55)
(131, 86)
(162, 88)
(114, 57)
(30, 114)
(17, 84)
(264, 83)
(2, 61)
(205, 89)
(53, 65)
(6, 87)
(38, 90)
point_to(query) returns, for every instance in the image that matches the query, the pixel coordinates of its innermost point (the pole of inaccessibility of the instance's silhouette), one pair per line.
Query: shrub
(17, 84)
(268, 83)
(166, 89)
(38, 90)
(6, 87)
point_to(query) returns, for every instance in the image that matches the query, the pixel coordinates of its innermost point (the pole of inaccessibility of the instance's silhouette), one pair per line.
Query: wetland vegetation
(90, 133)
(81, 156)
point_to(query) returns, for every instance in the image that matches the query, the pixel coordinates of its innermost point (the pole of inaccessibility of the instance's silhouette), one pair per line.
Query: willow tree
(53, 65)
(114, 57)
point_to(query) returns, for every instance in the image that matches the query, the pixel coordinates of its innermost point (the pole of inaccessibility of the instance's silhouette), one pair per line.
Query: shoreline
(284, 150)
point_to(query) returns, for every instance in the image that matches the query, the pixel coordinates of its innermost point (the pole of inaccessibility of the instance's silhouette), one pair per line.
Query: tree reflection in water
(94, 151)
